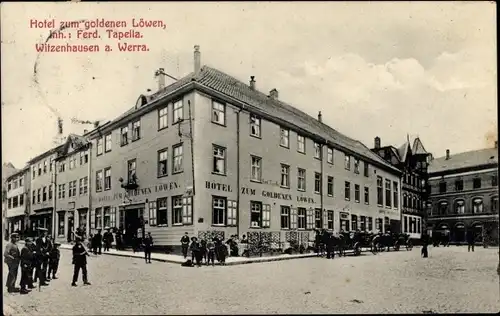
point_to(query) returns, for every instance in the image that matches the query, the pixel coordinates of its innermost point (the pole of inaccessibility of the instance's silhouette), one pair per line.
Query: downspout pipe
(54, 182)
(238, 171)
(89, 174)
(322, 185)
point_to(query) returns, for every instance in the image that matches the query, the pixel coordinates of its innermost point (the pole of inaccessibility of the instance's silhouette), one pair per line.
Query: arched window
(460, 206)
(477, 205)
(443, 208)
(494, 205)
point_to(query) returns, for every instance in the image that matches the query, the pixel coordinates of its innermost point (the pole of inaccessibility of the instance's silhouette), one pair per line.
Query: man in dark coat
(55, 255)
(12, 257)
(185, 244)
(43, 247)
(108, 239)
(27, 260)
(470, 240)
(80, 262)
(425, 243)
(147, 242)
(195, 251)
(98, 242)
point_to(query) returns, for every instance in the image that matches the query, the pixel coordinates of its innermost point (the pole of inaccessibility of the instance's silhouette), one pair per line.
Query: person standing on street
(425, 243)
(43, 253)
(12, 258)
(26, 267)
(470, 240)
(108, 239)
(98, 243)
(148, 245)
(80, 262)
(185, 244)
(55, 255)
(211, 252)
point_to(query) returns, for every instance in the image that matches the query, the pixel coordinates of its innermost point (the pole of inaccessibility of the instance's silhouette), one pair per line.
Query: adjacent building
(464, 195)
(413, 161)
(17, 208)
(7, 170)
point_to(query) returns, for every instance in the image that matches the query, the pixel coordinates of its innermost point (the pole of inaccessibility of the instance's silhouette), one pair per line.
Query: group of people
(207, 251)
(39, 261)
(97, 241)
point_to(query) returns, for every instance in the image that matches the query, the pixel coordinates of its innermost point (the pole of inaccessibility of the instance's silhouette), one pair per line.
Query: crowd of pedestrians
(207, 251)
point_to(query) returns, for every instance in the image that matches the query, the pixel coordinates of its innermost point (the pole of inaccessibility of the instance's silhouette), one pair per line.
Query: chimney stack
(320, 117)
(197, 59)
(377, 142)
(161, 78)
(252, 82)
(447, 154)
(273, 94)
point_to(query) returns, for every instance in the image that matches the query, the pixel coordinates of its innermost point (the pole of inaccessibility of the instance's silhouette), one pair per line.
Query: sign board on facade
(277, 195)
(141, 191)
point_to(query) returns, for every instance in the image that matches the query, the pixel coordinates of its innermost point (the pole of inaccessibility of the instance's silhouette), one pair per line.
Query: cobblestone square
(450, 281)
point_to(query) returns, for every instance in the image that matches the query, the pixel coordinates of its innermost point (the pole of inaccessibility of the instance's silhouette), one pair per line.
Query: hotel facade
(211, 153)
(464, 195)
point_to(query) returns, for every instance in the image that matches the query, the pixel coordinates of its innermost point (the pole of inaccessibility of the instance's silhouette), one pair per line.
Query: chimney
(252, 82)
(197, 59)
(161, 78)
(273, 94)
(377, 142)
(320, 117)
(447, 154)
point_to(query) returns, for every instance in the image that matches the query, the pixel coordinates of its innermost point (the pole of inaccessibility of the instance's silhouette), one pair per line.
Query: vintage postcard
(249, 158)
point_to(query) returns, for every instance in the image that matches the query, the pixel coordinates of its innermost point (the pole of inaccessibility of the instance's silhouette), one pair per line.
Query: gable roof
(418, 147)
(78, 142)
(403, 151)
(469, 159)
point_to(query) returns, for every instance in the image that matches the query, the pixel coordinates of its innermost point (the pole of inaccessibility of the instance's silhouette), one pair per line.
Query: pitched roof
(403, 151)
(463, 160)
(418, 147)
(77, 140)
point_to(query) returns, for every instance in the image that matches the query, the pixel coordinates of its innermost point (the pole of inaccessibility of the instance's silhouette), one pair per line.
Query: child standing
(211, 252)
(54, 256)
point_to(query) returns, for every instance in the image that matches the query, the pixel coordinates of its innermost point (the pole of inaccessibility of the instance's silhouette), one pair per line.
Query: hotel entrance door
(132, 221)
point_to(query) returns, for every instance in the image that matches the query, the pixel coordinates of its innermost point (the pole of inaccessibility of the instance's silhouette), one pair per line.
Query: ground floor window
(362, 223)
(152, 214)
(318, 223)
(82, 219)
(310, 219)
(285, 217)
(378, 224)
(161, 216)
(405, 227)
(260, 215)
(302, 213)
(60, 224)
(354, 222)
(177, 210)
(330, 220)
(370, 224)
(98, 218)
(344, 225)
(107, 217)
(218, 210)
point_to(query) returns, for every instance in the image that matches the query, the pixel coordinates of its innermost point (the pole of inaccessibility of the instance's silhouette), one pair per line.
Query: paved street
(450, 281)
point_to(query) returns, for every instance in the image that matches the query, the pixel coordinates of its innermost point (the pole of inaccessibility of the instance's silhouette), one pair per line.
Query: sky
(425, 69)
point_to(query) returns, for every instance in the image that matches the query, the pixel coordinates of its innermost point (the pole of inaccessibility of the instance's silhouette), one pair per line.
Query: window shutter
(187, 211)
(310, 219)
(266, 216)
(92, 218)
(293, 218)
(325, 219)
(113, 217)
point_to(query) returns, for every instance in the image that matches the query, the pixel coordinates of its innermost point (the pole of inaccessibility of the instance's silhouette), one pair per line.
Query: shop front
(41, 219)
(131, 220)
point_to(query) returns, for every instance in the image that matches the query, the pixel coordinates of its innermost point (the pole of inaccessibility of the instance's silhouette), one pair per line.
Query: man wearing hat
(54, 257)
(27, 260)
(80, 262)
(43, 247)
(107, 239)
(12, 258)
(185, 244)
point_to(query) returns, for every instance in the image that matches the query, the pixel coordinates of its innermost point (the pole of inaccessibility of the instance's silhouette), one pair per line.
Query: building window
(459, 185)
(45, 166)
(317, 150)
(39, 169)
(354, 222)
(124, 136)
(98, 217)
(301, 218)
(44, 194)
(218, 113)
(367, 195)
(318, 218)
(494, 205)
(71, 163)
(178, 112)
(477, 205)
(232, 207)
(61, 191)
(285, 217)
(347, 162)
(254, 125)
(136, 130)
(131, 171)
(284, 137)
(99, 146)
(62, 166)
(329, 155)
(219, 160)
(362, 223)
(177, 210)
(34, 197)
(347, 190)
(21, 199)
(33, 170)
(84, 157)
(443, 208)
(380, 191)
(405, 225)
(356, 193)
(107, 216)
(107, 143)
(330, 220)
(98, 181)
(301, 179)
(366, 168)
(370, 224)
(301, 144)
(218, 210)
(259, 215)
(178, 154)
(256, 172)
(460, 207)
(494, 181)
(329, 186)
(107, 179)
(83, 185)
(395, 193)
(356, 165)
(9, 203)
(379, 225)
(476, 183)
(387, 192)
(163, 118)
(60, 223)
(161, 208)
(442, 187)
(285, 176)
(317, 182)
(72, 188)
